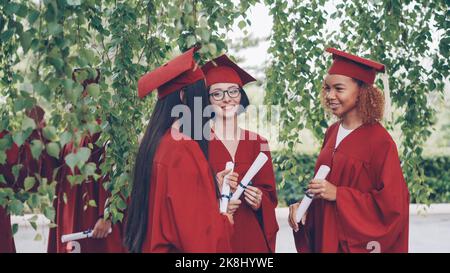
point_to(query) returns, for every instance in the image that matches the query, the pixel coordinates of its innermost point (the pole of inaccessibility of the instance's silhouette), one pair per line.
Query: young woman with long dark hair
(174, 201)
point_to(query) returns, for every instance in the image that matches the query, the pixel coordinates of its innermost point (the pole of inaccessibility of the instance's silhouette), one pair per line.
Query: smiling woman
(364, 199)
(255, 222)
(341, 94)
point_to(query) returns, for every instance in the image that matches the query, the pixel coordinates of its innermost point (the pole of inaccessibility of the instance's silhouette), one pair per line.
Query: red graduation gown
(183, 213)
(71, 217)
(254, 232)
(372, 201)
(6, 237)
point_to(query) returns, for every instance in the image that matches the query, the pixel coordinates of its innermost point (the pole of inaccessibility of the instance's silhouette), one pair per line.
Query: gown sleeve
(381, 214)
(304, 238)
(265, 181)
(190, 218)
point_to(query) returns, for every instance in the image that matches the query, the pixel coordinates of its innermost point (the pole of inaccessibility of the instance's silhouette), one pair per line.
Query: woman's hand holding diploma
(321, 188)
(232, 179)
(233, 205)
(101, 229)
(253, 197)
(293, 216)
(231, 176)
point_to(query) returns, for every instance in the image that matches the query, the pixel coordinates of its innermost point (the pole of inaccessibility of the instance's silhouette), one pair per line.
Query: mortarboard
(353, 66)
(172, 76)
(224, 70)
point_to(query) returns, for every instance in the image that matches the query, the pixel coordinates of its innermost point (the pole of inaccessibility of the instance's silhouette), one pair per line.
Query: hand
(101, 229)
(253, 196)
(230, 217)
(233, 205)
(293, 217)
(321, 188)
(232, 179)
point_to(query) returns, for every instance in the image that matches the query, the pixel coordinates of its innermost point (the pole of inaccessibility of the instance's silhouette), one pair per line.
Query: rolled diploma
(252, 171)
(306, 201)
(226, 188)
(79, 235)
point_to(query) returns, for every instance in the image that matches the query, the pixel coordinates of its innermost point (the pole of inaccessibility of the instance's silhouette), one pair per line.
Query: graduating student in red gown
(74, 214)
(255, 226)
(40, 168)
(6, 237)
(174, 201)
(363, 204)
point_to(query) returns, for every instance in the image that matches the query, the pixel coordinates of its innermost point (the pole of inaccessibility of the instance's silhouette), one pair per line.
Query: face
(225, 98)
(341, 94)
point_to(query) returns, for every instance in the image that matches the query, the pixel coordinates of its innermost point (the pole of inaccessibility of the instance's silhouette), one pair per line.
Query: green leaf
(49, 212)
(212, 48)
(33, 225)
(71, 161)
(16, 207)
(42, 89)
(34, 218)
(92, 203)
(205, 34)
(188, 7)
(121, 204)
(89, 169)
(29, 183)
(2, 179)
(21, 136)
(33, 201)
(6, 142)
(25, 41)
(11, 8)
(49, 133)
(36, 148)
(16, 170)
(242, 24)
(83, 155)
(32, 16)
(38, 237)
(15, 228)
(28, 123)
(65, 138)
(93, 90)
(53, 149)
(75, 93)
(190, 41)
(3, 157)
(54, 28)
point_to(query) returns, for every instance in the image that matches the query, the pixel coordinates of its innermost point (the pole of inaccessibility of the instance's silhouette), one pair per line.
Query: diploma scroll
(79, 235)
(306, 201)
(226, 193)
(259, 162)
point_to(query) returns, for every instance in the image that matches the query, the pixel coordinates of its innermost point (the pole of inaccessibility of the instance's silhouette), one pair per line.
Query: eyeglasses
(219, 95)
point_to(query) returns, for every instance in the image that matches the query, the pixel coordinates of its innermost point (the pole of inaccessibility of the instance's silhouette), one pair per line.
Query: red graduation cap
(174, 75)
(224, 70)
(353, 66)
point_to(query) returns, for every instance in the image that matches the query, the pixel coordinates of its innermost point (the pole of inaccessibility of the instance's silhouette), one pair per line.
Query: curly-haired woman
(363, 204)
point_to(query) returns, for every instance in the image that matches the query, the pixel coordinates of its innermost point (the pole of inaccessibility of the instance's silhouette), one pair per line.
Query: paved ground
(428, 233)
